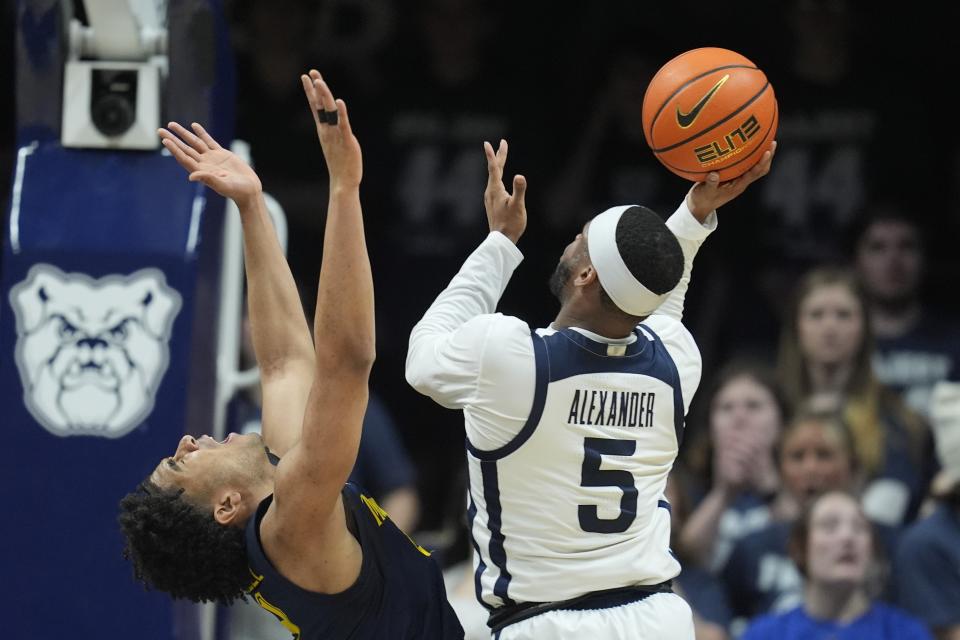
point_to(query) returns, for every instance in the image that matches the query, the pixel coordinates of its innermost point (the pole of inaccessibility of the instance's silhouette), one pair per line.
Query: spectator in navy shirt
(915, 348)
(834, 547)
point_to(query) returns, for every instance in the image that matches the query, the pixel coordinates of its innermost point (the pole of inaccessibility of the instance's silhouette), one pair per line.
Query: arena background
(428, 81)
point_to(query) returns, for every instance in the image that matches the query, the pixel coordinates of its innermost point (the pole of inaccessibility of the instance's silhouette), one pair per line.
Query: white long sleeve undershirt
(464, 355)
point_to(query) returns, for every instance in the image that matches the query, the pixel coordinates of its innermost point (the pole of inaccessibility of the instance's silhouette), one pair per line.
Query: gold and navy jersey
(399, 593)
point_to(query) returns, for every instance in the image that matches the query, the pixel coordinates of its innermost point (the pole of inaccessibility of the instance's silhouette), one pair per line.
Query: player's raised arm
(447, 344)
(310, 478)
(281, 338)
(344, 320)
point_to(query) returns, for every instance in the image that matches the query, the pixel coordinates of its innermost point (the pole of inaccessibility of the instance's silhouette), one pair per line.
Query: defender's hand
(340, 147)
(209, 163)
(707, 196)
(505, 213)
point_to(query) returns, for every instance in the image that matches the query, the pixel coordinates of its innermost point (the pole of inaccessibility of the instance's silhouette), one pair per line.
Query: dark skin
(581, 302)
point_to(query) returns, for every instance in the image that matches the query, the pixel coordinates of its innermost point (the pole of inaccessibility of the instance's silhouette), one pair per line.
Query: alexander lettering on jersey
(611, 408)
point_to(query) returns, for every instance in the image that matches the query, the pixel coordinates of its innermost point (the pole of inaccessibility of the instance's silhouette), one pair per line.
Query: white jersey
(570, 435)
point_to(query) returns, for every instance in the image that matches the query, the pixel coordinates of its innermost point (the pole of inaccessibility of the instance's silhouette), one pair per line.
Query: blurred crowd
(825, 306)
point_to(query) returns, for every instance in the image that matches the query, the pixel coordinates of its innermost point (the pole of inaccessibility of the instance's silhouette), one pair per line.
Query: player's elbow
(364, 354)
(417, 377)
(422, 377)
(356, 355)
(432, 384)
(362, 359)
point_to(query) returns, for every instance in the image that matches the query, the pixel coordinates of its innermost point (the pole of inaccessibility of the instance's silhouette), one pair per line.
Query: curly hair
(178, 548)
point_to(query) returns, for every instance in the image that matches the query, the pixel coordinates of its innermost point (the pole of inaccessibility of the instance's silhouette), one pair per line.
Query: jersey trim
(548, 370)
(542, 360)
(678, 412)
(498, 555)
(663, 367)
(481, 565)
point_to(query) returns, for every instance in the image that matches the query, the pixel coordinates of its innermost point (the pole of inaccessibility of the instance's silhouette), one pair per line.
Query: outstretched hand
(341, 150)
(707, 196)
(209, 163)
(505, 213)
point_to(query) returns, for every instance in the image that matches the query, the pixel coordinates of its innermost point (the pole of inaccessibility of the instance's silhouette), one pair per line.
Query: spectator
(815, 455)
(746, 415)
(824, 364)
(915, 348)
(835, 549)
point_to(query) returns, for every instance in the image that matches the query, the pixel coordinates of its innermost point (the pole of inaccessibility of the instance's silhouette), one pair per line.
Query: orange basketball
(709, 110)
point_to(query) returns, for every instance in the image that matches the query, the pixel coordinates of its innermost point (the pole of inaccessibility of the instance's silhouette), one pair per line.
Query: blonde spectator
(815, 455)
(825, 364)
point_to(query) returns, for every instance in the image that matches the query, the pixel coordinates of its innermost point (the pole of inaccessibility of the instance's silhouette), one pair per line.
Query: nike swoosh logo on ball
(687, 119)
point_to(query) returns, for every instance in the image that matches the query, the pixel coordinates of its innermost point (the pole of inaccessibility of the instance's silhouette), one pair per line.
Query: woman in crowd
(746, 414)
(824, 364)
(815, 455)
(835, 549)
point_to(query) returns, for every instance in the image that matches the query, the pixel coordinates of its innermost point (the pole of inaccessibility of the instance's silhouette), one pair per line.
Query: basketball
(709, 109)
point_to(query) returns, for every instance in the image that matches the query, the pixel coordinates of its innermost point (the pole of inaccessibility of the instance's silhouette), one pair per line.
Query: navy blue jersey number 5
(594, 476)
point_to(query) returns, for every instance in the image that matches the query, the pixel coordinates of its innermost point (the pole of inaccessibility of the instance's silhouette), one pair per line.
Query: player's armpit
(285, 393)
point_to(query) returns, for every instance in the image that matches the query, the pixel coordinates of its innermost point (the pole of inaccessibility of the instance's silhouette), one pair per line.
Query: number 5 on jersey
(594, 476)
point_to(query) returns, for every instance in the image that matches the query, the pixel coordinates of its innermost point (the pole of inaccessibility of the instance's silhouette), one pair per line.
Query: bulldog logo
(91, 353)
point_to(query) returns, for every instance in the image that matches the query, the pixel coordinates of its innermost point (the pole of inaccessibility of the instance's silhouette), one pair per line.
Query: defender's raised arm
(281, 337)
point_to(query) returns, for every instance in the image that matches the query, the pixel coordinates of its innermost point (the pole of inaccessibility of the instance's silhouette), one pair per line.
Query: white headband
(625, 290)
